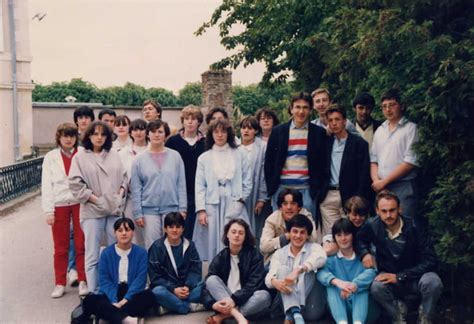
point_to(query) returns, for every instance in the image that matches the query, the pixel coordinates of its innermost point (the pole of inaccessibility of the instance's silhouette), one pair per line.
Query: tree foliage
(191, 94)
(423, 48)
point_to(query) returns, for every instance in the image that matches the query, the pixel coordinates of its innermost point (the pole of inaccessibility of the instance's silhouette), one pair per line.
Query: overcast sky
(110, 42)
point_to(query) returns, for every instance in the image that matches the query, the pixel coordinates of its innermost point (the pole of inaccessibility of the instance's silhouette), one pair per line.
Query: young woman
(61, 207)
(122, 273)
(267, 120)
(346, 279)
(190, 144)
(158, 183)
(254, 149)
(235, 280)
(98, 180)
(121, 129)
(223, 183)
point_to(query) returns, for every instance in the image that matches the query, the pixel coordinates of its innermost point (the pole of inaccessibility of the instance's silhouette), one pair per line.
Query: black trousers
(101, 306)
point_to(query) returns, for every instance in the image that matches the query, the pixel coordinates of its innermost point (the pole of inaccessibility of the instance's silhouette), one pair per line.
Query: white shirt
(224, 165)
(391, 148)
(233, 282)
(123, 263)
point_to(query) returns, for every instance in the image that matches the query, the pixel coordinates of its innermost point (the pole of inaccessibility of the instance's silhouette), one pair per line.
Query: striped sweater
(295, 172)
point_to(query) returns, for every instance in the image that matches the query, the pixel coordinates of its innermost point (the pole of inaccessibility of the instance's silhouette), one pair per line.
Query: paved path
(26, 273)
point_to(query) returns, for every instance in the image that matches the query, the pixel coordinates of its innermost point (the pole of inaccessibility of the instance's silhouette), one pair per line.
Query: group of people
(291, 217)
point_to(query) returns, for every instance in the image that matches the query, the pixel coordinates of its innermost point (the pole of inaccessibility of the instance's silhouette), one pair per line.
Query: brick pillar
(217, 90)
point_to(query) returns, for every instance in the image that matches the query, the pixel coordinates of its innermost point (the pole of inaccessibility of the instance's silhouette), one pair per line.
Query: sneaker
(163, 310)
(58, 291)
(83, 289)
(196, 307)
(422, 319)
(298, 318)
(402, 312)
(73, 282)
(130, 320)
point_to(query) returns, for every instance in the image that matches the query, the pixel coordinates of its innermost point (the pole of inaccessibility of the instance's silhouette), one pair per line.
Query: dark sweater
(190, 155)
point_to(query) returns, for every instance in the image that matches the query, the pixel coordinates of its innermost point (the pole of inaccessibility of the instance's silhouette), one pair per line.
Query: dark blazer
(354, 175)
(252, 274)
(277, 150)
(416, 259)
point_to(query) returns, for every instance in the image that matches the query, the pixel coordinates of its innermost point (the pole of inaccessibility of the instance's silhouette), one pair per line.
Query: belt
(333, 187)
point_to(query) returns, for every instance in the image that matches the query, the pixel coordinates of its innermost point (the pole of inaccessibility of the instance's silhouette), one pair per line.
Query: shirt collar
(303, 250)
(397, 233)
(340, 255)
(402, 122)
(293, 126)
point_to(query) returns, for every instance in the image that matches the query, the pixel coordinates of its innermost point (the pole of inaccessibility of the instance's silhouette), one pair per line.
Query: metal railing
(20, 178)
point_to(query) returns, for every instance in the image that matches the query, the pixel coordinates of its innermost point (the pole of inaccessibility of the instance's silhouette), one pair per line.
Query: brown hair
(225, 125)
(336, 108)
(194, 111)
(358, 205)
(67, 129)
(388, 195)
(86, 141)
(154, 104)
(249, 238)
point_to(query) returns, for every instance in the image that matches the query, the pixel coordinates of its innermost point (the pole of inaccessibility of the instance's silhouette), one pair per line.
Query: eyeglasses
(390, 105)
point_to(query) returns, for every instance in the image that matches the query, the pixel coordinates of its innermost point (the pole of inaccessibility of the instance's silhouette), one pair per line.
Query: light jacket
(102, 176)
(207, 185)
(274, 230)
(55, 190)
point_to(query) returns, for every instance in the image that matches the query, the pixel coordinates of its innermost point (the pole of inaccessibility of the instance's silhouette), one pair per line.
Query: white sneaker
(402, 312)
(73, 282)
(163, 311)
(130, 320)
(83, 289)
(58, 291)
(196, 307)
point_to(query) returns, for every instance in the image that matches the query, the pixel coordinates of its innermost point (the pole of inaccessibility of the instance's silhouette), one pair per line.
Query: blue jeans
(170, 301)
(94, 229)
(72, 251)
(357, 305)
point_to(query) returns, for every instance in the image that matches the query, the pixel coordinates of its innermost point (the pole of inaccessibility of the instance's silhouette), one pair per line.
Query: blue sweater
(158, 191)
(346, 270)
(109, 276)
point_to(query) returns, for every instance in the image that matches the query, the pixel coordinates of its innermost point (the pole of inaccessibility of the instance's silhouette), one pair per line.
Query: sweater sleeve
(136, 189)
(107, 281)
(364, 279)
(77, 185)
(137, 280)
(246, 176)
(181, 183)
(317, 257)
(47, 195)
(325, 274)
(262, 192)
(200, 185)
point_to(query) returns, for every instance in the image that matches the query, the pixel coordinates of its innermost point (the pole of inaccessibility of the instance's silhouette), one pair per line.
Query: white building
(15, 145)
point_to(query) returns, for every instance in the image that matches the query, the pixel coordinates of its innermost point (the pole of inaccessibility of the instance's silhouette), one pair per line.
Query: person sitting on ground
(174, 268)
(234, 283)
(274, 234)
(345, 277)
(122, 275)
(292, 271)
(405, 259)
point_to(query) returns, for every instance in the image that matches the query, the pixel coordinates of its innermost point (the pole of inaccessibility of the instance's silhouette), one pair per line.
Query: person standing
(393, 159)
(363, 106)
(223, 183)
(98, 180)
(190, 144)
(151, 110)
(61, 207)
(267, 119)
(158, 183)
(122, 130)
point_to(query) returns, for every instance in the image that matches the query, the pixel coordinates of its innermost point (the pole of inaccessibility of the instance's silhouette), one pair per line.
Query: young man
(108, 116)
(321, 101)
(363, 105)
(292, 273)
(274, 234)
(393, 160)
(83, 116)
(151, 110)
(348, 165)
(293, 158)
(174, 268)
(405, 259)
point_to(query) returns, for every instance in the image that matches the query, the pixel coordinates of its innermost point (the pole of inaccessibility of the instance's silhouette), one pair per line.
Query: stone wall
(217, 90)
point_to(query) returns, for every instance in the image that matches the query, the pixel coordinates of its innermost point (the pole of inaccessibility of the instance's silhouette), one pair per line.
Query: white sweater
(54, 183)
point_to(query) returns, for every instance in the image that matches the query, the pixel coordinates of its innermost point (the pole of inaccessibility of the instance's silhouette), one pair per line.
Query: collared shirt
(397, 241)
(123, 264)
(397, 233)
(336, 159)
(391, 148)
(340, 255)
(349, 126)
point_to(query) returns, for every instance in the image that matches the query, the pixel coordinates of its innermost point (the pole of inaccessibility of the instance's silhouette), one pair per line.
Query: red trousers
(61, 231)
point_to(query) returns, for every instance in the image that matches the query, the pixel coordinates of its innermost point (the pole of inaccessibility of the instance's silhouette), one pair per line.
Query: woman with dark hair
(345, 277)
(98, 180)
(267, 119)
(121, 129)
(122, 277)
(235, 280)
(254, 149)
(60, 207)
(158, 183)
(223, 183)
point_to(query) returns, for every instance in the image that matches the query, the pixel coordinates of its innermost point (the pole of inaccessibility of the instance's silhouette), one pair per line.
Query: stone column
(217, 90)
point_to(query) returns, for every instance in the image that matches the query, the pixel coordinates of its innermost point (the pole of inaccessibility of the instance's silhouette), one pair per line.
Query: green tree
(163, 96)
(191, 94)
(83, 91)
(423, 48)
